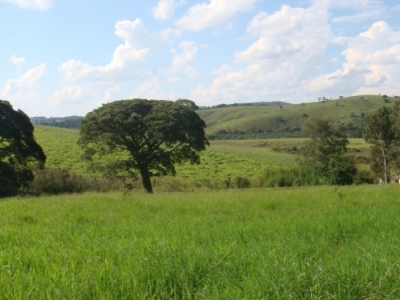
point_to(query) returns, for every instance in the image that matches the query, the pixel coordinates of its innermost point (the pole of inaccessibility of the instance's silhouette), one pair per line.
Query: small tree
(378, 132)
(157, 134)
(18, 150)
(326, 151)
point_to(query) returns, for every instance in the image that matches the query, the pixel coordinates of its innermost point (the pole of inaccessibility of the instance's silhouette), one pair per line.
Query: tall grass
(299, 175)
(304, 243)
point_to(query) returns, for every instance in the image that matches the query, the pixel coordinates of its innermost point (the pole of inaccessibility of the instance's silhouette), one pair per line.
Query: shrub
(364, 177)
(301, 175)
(242, 182)
(60, 181)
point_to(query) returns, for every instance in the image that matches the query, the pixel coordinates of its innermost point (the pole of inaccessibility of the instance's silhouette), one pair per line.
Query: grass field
(276, 120)
(223, 159)
(303, 243)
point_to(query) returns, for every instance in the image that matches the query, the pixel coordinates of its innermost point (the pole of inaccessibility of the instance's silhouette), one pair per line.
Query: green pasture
(249, 118)
(299, 243)
(223, 159)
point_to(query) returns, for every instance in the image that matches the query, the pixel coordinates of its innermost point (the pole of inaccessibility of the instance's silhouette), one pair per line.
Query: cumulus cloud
(290, 48)
(32, 4)
(110, 93)
(29, 80)
(69, 94)
(23, 92)
(188, 54)
(149, 90)
(164, 9)
(363, 9)
(372, 61)
(213, 14)
(127, 57)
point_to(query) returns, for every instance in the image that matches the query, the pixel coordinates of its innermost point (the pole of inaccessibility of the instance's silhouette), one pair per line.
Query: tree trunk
(144, 172)
(385, 165)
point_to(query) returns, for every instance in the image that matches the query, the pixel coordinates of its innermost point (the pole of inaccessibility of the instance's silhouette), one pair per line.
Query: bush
(364, 177)
(242, 182)
(60, 181)
(56, 181)
(301, 175)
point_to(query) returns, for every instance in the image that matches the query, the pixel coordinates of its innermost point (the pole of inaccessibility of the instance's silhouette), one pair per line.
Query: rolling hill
(244, 122)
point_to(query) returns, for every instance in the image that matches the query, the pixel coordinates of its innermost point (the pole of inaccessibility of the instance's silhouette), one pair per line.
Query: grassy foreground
(308, 243)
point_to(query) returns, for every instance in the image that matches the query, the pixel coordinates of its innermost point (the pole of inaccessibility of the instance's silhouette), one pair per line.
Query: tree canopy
(18, 150)
(326, 151)
(382, 131)
(157, 134)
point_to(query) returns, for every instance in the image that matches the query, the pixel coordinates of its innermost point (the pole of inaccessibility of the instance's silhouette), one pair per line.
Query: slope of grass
(308, 243)
(223, 159)
(218, 162)
(287, 120)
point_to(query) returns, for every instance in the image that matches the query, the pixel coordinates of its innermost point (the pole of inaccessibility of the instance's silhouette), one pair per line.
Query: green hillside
(286, 121)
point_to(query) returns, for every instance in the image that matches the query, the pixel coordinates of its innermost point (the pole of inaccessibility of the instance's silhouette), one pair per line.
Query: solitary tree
(157, 134)
(18, 150)
(326, 151)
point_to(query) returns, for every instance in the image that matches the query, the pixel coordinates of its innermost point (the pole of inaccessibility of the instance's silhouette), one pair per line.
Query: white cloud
(126, 59)
(69, 94)
(372, 61)
(364, 9)
(18, 61)
(27, 81)
(32, 4)
(149, 90)
(213, 14)
(180, 60)
(164, 9)
(23, 92)
(290, 49)
(109, 94)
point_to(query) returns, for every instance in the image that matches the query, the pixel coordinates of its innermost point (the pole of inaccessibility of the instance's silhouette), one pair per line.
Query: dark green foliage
(301, 175)
(157, 134)
(18, 150)
(242, 182)
(341, 170)
(61, 181)
(364, 177)
(326, 150)
(379, 131)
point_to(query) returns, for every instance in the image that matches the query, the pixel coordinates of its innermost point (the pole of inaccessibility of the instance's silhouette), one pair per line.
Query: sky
(62, 58)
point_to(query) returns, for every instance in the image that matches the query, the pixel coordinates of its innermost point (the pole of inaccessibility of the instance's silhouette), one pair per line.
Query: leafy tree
(326, 151)
(157, 134)
(382, 131)
(378, 131)
(18, 150)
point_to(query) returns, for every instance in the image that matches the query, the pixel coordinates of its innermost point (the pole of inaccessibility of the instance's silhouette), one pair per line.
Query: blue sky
(61, 58)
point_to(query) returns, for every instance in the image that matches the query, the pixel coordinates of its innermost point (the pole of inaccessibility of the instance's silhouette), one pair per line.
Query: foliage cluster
(157, 134)
(326, 152)
(49, 181)
(382, 131)
(18, 150)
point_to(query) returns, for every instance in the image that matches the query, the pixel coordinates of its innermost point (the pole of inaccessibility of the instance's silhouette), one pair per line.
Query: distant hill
(72, 122)
(271, 103)
(250, 122)
(268, 119)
